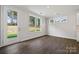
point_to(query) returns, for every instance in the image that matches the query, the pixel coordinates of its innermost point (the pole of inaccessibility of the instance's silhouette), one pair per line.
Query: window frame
(36, 17)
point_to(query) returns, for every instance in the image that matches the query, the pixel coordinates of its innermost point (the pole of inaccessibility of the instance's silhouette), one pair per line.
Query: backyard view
(12, 24)
(34, 24)
(12, 31)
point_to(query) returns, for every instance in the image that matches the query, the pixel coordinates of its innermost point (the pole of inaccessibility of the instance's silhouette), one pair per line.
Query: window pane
(12, 24)
(37, 24)
(32, 24)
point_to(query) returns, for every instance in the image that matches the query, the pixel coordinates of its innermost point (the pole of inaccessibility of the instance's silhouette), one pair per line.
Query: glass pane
(37, 24)
(32, 24)
(12, 24)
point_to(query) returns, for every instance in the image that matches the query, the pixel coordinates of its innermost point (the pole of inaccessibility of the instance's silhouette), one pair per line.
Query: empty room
(39, 29)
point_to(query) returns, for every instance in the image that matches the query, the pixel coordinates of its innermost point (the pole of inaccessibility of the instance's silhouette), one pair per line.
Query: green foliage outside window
(34, 24)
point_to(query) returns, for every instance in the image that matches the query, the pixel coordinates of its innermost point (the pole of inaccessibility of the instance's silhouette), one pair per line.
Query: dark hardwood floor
(43, 45)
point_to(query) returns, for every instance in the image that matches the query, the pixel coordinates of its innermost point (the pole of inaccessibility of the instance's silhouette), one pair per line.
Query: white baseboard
(63, 37)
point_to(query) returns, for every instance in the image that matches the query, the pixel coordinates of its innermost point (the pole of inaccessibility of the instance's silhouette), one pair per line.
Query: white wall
(77, 26)
(66, 29)
(23, 25)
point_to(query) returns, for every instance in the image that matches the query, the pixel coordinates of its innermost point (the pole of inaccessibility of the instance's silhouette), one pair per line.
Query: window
(34, 24)
(60, 18)
(12, 24)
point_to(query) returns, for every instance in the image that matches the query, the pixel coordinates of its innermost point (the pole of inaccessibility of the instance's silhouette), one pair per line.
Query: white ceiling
(50, 10)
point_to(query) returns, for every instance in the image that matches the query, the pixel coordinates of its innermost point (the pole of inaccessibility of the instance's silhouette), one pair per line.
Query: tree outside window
(34, 24)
